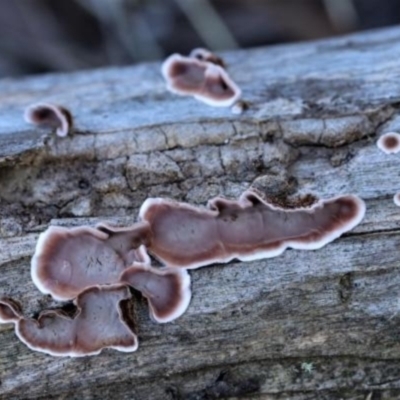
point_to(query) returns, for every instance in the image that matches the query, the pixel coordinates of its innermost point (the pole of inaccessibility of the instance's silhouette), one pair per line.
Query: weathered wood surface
(251, 328)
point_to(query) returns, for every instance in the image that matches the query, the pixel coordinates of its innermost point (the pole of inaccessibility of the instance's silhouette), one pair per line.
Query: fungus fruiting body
(191, 237)
(389, 143)
(48, 115)
(207, 82)
(102, 320)
(167, 290)
(66, 261)
(96, 266)
(396, 199)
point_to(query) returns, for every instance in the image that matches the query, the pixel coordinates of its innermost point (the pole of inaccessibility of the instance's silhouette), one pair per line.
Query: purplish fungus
(389, 143)
(205, 81)
(167, 290)
(48, 115)
(191, 237)
(66, 261)
(102, 320)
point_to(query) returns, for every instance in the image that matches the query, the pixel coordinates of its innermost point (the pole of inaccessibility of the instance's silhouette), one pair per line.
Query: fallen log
(306, 324)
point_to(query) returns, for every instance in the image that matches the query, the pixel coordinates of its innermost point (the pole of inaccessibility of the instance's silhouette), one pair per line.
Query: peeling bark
(253, 329)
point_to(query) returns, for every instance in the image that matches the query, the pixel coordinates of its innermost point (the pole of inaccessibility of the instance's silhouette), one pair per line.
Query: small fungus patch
(46, 115)
(205, 81)
(389, 143)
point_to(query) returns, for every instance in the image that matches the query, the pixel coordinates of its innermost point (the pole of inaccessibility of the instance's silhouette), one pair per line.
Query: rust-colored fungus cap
(205, 81)
(250, 228)
(389, 143)
(102, 320)
(48, 115)
(167, 289)
(206, 55)
(67, 261)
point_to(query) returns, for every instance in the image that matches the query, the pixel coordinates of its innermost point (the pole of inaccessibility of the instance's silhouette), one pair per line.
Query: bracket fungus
(96, 266)
(191, 237)
(48, 115)
(68, 260)
(167, 290)
(389, 143)
(102, 320)
(205, 81)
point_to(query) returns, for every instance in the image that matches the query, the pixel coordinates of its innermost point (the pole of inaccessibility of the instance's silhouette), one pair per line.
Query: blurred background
(38, 36)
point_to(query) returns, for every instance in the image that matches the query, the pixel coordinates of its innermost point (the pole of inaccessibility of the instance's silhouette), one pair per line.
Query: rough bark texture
(306, 325)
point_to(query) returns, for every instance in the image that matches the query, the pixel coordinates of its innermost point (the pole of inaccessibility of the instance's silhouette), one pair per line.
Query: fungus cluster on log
(95, 267)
